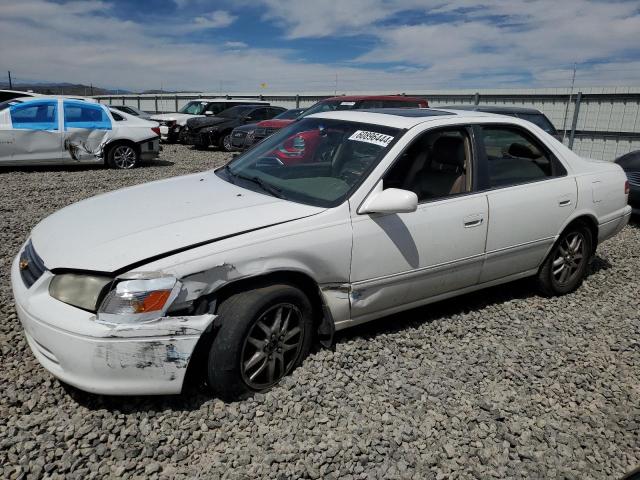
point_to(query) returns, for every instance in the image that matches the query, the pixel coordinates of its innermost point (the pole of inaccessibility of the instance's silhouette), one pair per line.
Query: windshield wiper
(267, 187)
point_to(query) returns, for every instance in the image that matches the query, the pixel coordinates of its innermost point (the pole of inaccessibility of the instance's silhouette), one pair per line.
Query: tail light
(626, 187)
(156, 130)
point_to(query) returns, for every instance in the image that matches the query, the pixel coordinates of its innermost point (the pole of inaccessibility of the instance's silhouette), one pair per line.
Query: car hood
(246, 128)
(201, 122)
(180, 118)
(275, 123)
(112, 231)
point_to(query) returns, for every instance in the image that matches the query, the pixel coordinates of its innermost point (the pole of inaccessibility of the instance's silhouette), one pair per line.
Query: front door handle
(473, 221)
(564, 203)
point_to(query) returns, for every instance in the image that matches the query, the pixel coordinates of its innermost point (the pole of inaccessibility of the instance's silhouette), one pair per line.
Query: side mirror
(208, 113)
(391, 200)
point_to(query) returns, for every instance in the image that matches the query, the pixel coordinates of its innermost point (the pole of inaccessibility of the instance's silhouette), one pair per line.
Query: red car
(356, 102)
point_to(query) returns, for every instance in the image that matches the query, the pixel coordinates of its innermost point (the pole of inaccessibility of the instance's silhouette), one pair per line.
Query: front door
(400, 260)
(34, 136)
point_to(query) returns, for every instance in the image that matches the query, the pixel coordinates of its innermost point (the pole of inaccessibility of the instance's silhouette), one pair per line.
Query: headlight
(139, 297)
(82, 291)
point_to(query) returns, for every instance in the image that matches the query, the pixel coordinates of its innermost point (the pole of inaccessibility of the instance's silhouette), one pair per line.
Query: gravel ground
(497, 384)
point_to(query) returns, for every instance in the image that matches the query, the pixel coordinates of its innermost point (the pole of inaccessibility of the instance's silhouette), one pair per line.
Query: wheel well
(297, 279)
(123, 141)
(590, 223)
(197, 363)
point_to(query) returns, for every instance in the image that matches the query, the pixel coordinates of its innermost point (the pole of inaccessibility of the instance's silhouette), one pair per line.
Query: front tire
(122, 157)
(265, 335)
(566, 265)
(225, 142)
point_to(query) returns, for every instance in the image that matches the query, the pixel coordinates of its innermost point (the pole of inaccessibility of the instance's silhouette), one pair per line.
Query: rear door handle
(564, 203)
(473, 221)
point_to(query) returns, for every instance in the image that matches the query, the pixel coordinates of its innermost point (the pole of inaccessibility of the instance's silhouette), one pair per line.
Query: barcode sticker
(371, 137)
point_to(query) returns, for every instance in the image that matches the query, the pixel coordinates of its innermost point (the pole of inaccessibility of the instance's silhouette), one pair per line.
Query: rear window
(388, 104)
(85, 115)
(540, 120)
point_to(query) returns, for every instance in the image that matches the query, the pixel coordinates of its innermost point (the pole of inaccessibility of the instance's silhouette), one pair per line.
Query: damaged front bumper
(134, 359)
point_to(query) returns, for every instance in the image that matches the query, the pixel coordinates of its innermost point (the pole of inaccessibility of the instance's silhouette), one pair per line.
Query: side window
(437, 164)
(117, 117)
(35, 115)
(259, 114)
(273, 112)
(216, 108)
(85, 115)
(514, 157)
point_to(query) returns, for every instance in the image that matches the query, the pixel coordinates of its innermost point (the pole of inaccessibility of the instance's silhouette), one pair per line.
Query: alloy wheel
(272, 346)
(124, 157)
(569, 258)
(226, 143)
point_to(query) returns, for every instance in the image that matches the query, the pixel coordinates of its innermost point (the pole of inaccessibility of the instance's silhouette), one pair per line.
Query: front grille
(31, 265)
(634, 178)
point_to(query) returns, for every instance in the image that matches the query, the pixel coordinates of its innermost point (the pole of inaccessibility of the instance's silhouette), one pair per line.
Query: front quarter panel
(318, 246)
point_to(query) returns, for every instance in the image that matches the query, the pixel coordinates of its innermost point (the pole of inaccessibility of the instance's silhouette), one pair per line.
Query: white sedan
(60, 130)
(336, 220)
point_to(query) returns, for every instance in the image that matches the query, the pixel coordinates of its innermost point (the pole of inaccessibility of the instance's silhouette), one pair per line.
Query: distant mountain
(62, 89)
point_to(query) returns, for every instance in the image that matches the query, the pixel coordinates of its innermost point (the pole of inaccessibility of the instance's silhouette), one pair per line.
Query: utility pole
(91, 89)
(566, 110)
(335, 87)
(10, 84)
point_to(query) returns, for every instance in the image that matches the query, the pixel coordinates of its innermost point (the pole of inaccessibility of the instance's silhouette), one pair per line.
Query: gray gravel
(497, 384)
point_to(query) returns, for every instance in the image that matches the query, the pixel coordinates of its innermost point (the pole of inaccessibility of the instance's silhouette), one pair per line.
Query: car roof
(354, 98)
(228, 100)
(401, 117)
(500, 109)
(55, 97)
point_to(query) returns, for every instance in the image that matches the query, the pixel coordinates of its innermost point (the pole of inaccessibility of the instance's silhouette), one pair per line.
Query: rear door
(530, 197)
(86, 130)
(34, 135)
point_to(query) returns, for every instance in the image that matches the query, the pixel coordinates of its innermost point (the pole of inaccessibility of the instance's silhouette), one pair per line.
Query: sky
(308, 46)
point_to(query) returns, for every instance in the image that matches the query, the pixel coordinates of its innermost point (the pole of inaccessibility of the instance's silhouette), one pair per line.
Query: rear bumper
(150, 149)
(614, 226)
(142, 359)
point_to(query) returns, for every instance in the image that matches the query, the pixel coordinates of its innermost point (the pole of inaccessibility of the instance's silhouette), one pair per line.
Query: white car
(58, 130)
(240, 269)
(172, 123)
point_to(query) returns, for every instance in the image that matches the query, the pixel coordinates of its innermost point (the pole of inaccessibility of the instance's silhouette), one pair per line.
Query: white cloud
(535, 43)
(217, 19)
(235, 45)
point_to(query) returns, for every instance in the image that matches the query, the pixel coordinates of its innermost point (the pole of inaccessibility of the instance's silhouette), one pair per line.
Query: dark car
(136, 112)
(204, 131)
(243, 137)
(630, 163)
(530, 114)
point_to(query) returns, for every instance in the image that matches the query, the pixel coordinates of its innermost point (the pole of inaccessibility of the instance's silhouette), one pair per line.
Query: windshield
(289, 114)
(328, 106)
(539, 120)
(315, 161)
(234, 112)
(193, 108)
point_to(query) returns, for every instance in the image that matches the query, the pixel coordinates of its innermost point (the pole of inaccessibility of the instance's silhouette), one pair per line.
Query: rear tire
(122, 156)
(265, 334)
(566, 265)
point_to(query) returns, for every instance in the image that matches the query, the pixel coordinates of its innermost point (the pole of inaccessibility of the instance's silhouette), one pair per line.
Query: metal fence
(599, 123)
